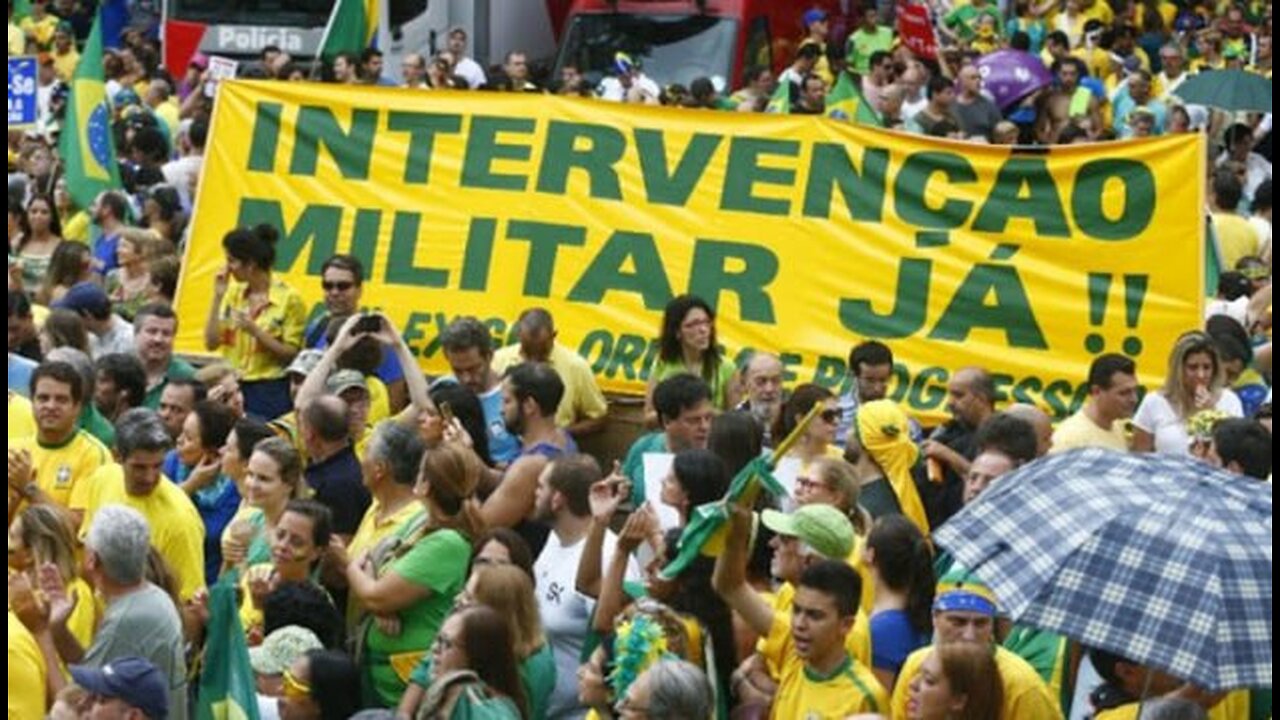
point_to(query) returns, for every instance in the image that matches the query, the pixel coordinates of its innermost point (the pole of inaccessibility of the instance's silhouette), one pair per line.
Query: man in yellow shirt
(1125, 681)
(1237, 238)
(1113, 396)
(65, 56)
(817, 676)
(177, 531)
(48, 467)
(583, 409)
(964, 610)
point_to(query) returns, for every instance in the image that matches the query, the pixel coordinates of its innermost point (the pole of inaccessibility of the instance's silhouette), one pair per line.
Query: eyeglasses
(337, 286)
(295, 688)
(804, 483)
(830, 416)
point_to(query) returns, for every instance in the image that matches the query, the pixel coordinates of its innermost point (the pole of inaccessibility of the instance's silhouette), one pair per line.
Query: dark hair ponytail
(254, 246)
(904, 560)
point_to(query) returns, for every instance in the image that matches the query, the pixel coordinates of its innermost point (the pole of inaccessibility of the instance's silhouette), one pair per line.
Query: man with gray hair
(762, 379)
(670, 689)
(140, 619)
(135, 481)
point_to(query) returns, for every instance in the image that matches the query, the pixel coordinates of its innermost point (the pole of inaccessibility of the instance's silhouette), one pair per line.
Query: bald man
(1040, 421)
(971, 399)
(763, 384)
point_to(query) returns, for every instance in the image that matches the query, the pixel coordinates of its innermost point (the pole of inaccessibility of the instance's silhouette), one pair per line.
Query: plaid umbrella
(1162, 560)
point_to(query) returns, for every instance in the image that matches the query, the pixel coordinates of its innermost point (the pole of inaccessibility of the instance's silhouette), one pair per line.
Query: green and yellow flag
(846, 102)
(351, 28)
(780, 103)
(86, 145)
(228, 690)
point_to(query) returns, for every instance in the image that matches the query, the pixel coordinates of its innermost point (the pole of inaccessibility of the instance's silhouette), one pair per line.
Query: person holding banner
(688, 345)
(256, 321)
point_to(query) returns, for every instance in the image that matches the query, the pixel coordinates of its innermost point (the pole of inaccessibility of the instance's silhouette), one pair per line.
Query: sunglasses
(337, 286)
(295, 688)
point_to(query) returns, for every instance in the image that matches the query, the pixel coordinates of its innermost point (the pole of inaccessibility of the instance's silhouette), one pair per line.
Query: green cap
(281, 648)
(344, 380)
(821, 527)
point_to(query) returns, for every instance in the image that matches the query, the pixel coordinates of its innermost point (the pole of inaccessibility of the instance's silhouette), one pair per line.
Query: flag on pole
(228, 689)
(351, 28)
(86, 145)
(781, 101)
(846, 102)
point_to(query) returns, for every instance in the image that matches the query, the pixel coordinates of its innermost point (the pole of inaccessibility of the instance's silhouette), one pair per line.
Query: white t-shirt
(1156, 416)
(566, 616)
(470, 70)
(612, 89)
(117, 340)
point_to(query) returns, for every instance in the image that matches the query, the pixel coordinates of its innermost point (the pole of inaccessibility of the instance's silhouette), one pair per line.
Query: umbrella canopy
(1162, 560)
(1231, 90)
(1011, 75)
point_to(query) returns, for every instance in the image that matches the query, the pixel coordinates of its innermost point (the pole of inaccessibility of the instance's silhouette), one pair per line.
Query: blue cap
(85, 298)
(133, 680)
(813, 16)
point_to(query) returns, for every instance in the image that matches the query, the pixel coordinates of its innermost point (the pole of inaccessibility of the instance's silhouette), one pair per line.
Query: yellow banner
(808, 235)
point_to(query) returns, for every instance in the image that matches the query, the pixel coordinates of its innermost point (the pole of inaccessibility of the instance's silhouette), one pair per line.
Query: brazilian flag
(228, 690)
(86, 143)
(780, 103)
(846, 102)
(350, 29)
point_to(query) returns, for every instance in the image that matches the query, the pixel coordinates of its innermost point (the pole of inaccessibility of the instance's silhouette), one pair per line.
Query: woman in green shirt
(407, 587)
(688, 345)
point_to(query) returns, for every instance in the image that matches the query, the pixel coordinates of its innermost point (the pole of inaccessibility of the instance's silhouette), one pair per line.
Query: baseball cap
(961, 591)
(623, 64)
(345, 380)
(305, 362)
(821, 527)
(813, 16)
(281, 648)
(131, 679)
(86, 298)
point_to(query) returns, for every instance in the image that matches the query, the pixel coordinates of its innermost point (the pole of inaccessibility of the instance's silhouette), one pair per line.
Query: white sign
(221, 68)
(656, 468)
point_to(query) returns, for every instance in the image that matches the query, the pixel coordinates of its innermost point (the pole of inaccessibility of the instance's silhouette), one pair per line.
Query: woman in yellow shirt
(42, 536)
(256, 321)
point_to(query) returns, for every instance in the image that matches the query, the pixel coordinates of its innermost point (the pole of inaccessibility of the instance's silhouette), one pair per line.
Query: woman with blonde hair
(41, 540)
(1195, 383)
(958, 681)
(407, 586)
(129, 285)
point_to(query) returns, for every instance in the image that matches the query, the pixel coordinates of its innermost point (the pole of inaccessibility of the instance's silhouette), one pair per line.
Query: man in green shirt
(154, 328)
(871, 37)
(685, 412)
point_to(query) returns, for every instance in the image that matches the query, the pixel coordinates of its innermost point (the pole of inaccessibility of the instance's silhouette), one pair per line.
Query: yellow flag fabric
(808, 235)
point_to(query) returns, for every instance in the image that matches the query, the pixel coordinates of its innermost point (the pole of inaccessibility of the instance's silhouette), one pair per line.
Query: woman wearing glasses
(819, 439)
(688, 345)
(321, 685)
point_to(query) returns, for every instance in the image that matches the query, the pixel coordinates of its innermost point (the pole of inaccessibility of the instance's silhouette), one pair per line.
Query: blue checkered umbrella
(1162, 560)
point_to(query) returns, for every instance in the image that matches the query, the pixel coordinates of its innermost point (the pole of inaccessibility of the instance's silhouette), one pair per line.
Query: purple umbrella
(1009, 76)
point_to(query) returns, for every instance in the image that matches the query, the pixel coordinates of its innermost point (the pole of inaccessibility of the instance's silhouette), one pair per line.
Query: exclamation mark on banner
(1135, 293)
(1099, 289)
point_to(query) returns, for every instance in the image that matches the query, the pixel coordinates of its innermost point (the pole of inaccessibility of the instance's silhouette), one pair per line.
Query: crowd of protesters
(408, 547)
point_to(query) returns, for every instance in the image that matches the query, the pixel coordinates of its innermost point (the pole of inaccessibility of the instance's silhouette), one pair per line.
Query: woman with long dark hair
(901, 565)
(36, 247)
(688, 345)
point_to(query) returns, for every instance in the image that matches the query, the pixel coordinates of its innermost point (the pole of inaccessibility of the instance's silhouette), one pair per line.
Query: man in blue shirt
(468, 348)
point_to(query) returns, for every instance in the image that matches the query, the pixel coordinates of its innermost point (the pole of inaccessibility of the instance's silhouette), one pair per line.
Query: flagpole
(324, 40)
